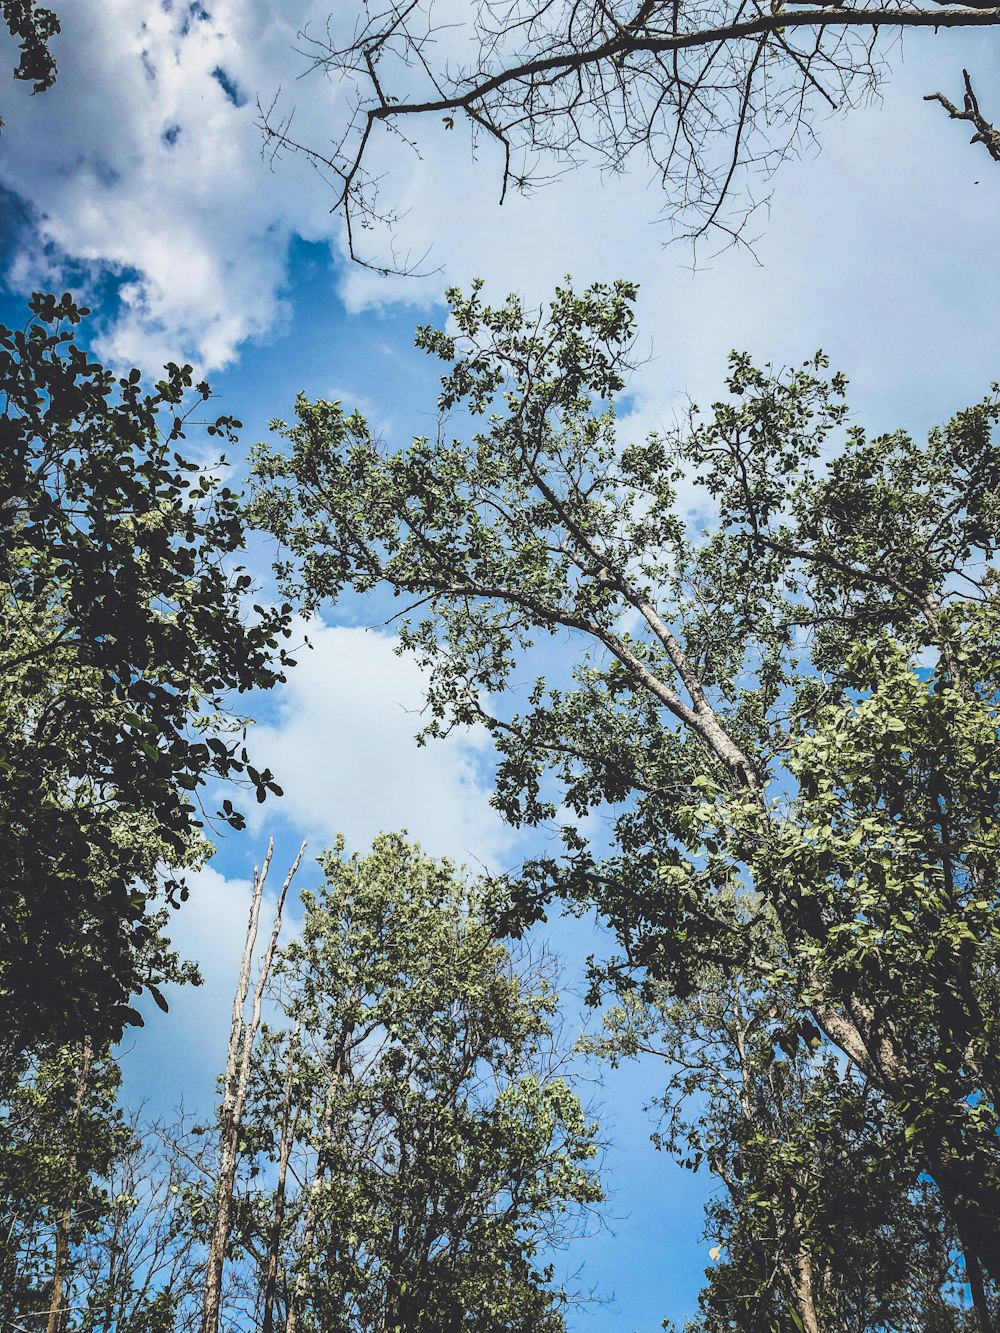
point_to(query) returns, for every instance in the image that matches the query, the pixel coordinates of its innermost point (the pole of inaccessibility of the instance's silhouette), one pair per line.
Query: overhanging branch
(711, 95)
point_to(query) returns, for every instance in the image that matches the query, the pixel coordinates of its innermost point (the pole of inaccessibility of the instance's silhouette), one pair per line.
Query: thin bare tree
(241, 1040)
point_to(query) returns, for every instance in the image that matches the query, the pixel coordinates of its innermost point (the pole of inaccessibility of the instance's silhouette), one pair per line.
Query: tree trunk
(980, 1303)
(969, 1185)
(57, 1314)
(803, 1294)
(241, 1039)
(284, 1152)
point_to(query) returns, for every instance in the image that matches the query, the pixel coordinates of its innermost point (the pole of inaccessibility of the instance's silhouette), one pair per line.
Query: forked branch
(985, 133)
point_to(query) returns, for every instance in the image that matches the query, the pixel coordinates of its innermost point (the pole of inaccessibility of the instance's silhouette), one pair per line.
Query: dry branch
(986, 133)
(237, 1077)
(712, 94)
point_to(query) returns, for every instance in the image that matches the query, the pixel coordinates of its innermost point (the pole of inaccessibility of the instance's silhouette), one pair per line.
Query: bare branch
(710, 94)
(986, 133)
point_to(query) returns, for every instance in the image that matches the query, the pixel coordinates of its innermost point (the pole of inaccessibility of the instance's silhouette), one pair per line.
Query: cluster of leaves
(33, 27)
(123, 632)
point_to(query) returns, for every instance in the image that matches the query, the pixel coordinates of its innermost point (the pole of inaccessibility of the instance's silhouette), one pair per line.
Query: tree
(94, 1214)
(123, 633)
(708, 98)
(420, 1148)
(62, 1129)
(140, 1270)
(799, 703)
(406, 1156)
(820, 1221)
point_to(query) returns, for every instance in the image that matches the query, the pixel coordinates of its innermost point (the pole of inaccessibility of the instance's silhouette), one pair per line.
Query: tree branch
(575, 81)
(986, 133)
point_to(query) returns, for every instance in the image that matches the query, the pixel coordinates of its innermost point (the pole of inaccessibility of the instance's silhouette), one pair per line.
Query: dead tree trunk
(241, 1040)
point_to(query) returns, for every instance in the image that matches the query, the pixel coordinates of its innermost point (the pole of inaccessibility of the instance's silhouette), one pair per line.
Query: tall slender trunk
(57, 1312)
(241, 1039)
(284, 1153)
(803, 1291)
(968, 1181)
(339, 1068)
(302, 1276)
(980, 1303)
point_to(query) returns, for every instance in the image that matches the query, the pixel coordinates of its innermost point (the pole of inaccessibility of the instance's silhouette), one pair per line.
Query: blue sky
(138, 182)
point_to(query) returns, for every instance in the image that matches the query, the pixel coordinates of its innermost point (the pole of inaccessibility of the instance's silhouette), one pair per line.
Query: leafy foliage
(61, 1131)
(820, 1221)
(123, 631)
(33, 26)
(439, 1152)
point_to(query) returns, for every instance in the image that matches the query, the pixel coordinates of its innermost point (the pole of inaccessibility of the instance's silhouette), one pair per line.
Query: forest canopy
(787, 718)
(709, 707)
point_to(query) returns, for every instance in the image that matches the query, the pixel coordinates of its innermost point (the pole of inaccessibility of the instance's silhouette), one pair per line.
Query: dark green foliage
(122, 634)
(33, 27)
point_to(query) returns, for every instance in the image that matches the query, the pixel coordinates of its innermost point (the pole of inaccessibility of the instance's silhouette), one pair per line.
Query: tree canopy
(820, 1219)
(798, 701)
(125, 631)
(410, 1155)
(33, 26)
(435, 1153)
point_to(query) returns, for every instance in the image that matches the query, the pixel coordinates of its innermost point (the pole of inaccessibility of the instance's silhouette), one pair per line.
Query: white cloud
(139, 161)
(177, 1056)
(343, 750)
